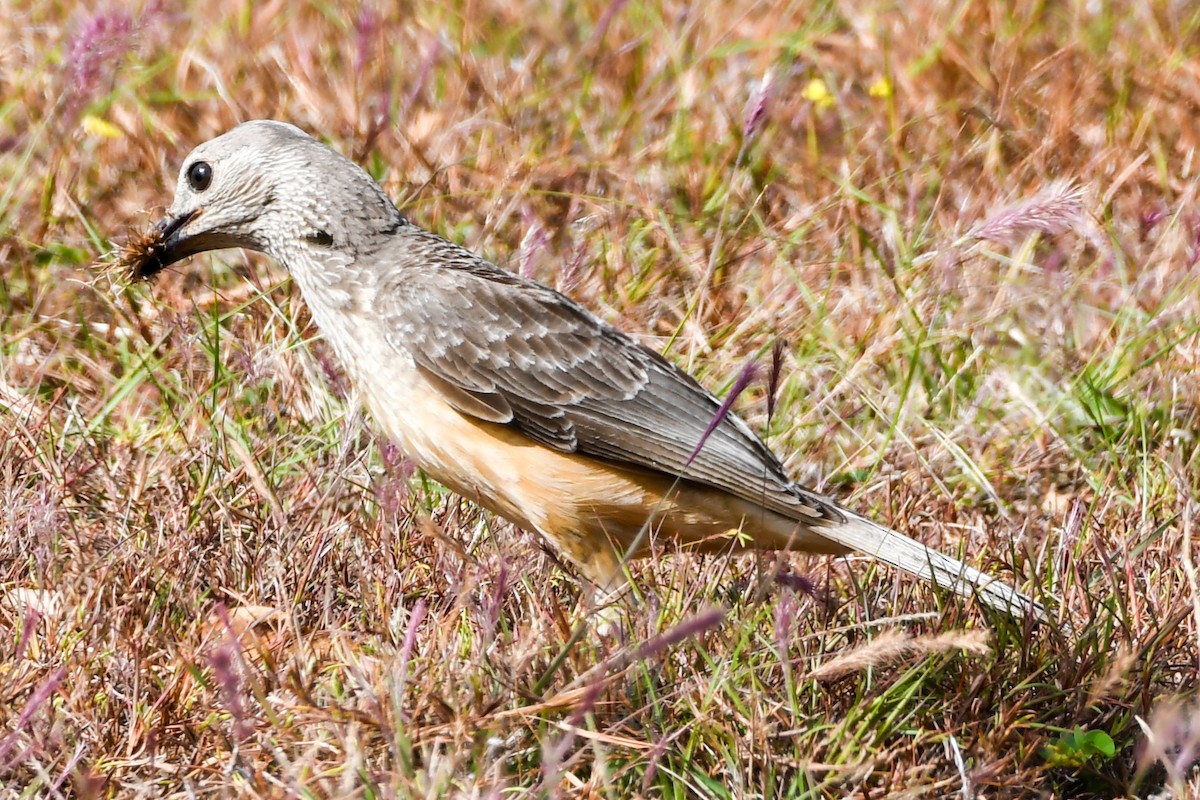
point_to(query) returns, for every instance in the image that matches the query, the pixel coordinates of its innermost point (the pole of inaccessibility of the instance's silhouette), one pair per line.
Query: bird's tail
(864, 536)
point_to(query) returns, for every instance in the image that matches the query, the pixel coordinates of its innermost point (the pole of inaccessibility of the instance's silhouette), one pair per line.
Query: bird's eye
(199, 176)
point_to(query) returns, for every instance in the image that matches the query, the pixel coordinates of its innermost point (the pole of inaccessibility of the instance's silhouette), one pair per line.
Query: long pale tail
(869, 538)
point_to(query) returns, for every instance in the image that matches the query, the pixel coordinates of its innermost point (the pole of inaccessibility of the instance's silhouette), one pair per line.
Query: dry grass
(974, 224)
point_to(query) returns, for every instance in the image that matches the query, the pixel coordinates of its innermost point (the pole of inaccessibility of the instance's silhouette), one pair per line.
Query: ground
(971, 229)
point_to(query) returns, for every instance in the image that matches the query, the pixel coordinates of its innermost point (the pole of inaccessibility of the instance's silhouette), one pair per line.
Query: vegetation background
(973, 225)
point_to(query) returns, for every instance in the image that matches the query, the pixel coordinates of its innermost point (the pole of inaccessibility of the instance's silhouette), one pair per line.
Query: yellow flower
(95, 126)
(818, 94)
(880, 88)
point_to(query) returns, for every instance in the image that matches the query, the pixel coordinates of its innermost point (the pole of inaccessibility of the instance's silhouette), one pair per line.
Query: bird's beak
(169, 243)
(177, 237)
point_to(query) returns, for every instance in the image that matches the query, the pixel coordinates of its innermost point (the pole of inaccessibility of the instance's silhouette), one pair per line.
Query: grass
(215, 578)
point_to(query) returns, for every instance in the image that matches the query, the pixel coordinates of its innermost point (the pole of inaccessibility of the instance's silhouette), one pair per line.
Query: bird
(508, 392)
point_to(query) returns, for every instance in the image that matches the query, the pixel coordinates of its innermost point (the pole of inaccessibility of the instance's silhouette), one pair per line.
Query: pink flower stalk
(739, 386)
(533, 243)
(777, 351)
(1053, 211)
(366, 28)
(92, 54)
(35, 701)
(225, 663)
(754, 116)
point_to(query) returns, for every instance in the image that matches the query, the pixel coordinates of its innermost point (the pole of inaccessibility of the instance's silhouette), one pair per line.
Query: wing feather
(511, 351)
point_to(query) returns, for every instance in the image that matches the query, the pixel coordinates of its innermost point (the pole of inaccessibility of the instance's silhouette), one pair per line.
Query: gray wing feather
(511, 351)
(488, 406)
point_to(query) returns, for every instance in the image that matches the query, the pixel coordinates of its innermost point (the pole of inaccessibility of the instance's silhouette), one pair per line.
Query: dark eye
(199, 175)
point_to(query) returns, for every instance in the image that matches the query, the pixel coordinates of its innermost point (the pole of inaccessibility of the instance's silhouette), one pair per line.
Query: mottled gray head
(271, 187)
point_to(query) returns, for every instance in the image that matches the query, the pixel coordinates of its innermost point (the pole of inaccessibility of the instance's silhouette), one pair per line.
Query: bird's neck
(337, 293)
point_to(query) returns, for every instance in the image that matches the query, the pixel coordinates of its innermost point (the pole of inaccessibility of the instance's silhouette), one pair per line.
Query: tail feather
(864, 536)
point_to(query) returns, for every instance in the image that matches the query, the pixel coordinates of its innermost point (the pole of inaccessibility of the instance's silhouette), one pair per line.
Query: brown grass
(975, 224)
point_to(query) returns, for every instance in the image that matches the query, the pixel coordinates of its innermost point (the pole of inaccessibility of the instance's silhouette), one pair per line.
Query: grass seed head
(140, 256)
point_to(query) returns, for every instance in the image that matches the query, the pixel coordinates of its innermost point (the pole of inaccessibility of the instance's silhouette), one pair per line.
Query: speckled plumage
(506, 390)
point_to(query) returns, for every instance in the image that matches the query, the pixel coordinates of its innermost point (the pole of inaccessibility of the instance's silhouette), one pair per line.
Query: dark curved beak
(169, 244)
(175, 238)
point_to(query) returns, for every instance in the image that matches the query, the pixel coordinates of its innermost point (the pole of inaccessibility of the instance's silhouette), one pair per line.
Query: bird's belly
(524, 481)
(587, 508)
(501, 470)
(591, 510)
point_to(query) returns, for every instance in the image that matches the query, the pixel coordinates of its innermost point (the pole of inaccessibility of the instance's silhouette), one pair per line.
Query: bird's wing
(511, 351)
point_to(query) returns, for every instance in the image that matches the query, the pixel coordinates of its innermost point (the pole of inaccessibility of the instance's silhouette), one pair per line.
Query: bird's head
(267, 186)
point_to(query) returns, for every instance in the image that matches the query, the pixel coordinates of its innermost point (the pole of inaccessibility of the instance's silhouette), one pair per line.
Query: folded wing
(511, 351)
